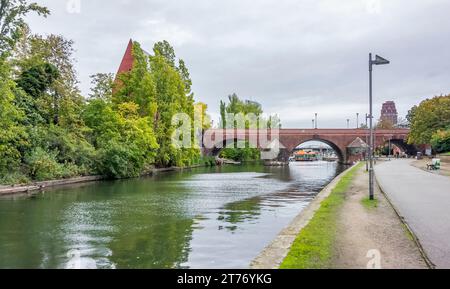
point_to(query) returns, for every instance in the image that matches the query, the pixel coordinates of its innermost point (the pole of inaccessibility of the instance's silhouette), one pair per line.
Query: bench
(432, 167)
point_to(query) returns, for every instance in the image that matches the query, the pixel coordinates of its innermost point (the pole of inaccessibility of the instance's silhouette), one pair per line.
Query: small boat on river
(304, 156)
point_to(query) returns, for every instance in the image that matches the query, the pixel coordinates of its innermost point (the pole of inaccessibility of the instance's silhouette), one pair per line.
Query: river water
(201, 218)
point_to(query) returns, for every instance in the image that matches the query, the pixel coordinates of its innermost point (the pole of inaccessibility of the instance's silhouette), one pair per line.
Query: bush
(119, 160)
(13, 178)
(71, 148)
(42, 165)
(441, 141)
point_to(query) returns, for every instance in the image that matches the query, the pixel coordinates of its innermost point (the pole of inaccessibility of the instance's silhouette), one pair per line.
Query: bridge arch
(340, 154)
(403, 145)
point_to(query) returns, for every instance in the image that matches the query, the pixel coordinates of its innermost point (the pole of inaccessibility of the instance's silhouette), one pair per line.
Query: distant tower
(389, 112)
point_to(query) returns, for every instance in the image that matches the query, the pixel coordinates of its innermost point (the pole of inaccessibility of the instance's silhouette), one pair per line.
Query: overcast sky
(295, 57)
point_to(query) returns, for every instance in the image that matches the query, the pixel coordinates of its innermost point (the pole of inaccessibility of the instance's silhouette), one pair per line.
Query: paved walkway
(423, 199)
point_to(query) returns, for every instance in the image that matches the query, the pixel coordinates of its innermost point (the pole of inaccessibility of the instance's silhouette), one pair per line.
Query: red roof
(128, 59)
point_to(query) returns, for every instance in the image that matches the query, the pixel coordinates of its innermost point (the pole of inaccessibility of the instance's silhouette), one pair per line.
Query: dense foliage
(430, 123)
(48, 130)
(254, 119)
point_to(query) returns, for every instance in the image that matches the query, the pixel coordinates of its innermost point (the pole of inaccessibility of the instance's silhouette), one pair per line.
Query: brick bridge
(290, 139)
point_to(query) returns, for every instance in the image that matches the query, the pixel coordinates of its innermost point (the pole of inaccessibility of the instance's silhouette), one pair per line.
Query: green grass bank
(313, 248)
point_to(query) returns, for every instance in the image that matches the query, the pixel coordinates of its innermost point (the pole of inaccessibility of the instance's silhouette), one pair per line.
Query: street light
(313, 126)
(367, 141)
(377, 61)
(316, 121)
(357, 120)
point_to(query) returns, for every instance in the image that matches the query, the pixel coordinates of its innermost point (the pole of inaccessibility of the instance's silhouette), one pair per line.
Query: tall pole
(348, 123)
(390, 148)
(316, 121)
(313, 126)
(357, 120)
(367, 141)
(371, 145)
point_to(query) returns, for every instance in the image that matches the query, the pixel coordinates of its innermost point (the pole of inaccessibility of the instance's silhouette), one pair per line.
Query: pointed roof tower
(127, 60)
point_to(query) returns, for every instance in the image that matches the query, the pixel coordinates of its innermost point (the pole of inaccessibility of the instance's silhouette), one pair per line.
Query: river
(201, 218)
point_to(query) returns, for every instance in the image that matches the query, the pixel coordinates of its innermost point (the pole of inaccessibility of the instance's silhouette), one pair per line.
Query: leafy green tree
(441, 141)
(102, 86)
(164, 49)
(384, 124)
(13, 136)
(237, 106)
(410, 115)
(62, 101)
(124, 139)
(137, 85)
(431, 116)
(171, 99)
(37, 80)
(12, 21)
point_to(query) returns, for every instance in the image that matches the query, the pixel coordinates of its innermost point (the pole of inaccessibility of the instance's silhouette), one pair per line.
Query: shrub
(42, 165)
(441, 141)
(15, 177)
(119, 160)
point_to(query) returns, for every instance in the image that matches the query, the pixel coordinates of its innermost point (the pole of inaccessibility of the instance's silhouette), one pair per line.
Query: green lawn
(313, 248)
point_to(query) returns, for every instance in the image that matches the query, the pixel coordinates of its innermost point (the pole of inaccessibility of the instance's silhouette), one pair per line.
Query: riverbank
(274, 254)
(346, 230)
(38, 186)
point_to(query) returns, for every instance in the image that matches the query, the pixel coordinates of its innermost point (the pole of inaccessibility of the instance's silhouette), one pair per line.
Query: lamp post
(357, 120)
(348, 123)
(313, 126)
(316, 121)
(390, 138)
(367, 141)
(377, 61)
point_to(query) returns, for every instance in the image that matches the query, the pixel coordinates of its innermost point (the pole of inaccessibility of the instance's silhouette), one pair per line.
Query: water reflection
(215, 217)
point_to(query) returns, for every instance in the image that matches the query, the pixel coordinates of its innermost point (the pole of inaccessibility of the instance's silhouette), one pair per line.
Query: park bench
(432, 167)
(435, 165)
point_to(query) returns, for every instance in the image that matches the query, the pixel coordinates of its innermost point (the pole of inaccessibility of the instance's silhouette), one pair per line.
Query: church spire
(127, 61)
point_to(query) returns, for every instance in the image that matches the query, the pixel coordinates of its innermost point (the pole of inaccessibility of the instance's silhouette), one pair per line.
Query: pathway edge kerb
(273, 255)
(410, 230)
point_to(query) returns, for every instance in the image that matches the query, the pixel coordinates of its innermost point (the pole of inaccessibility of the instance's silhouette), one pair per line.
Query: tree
(102, 86)
(441, 141)
(171, 99)
(12, 20)
(237, 106)
(431, 116)
(137, 85)
(410, 115)
(62, 100)
(125, 140)
(13, 136)
(202, 109)
(164, 49)
(385, 124)
(37, 80)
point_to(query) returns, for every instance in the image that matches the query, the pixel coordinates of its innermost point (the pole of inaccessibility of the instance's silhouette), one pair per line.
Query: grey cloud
(295, 57)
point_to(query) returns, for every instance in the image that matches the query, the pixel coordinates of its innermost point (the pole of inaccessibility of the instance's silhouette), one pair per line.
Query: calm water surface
(201, 218)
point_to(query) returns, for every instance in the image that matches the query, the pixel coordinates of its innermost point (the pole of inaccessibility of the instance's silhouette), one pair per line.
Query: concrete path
(423, 199)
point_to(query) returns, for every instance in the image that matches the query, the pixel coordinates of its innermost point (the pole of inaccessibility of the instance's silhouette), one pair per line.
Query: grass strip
(313, 248)
(369, 204)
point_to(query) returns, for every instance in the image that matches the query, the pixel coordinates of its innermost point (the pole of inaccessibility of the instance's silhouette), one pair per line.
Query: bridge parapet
(289, 139)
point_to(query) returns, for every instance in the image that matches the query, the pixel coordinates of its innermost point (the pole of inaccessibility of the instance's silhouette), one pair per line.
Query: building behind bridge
(389, 112)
